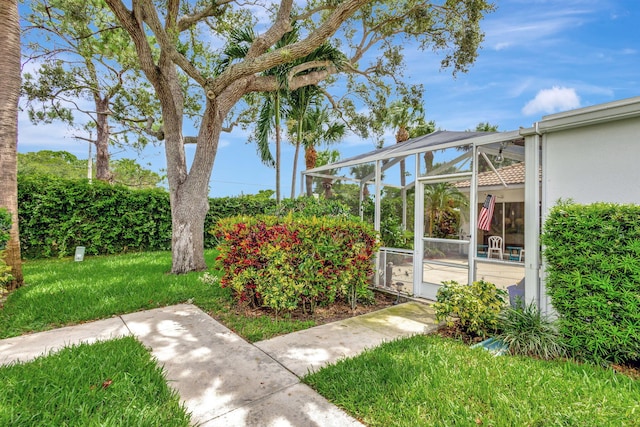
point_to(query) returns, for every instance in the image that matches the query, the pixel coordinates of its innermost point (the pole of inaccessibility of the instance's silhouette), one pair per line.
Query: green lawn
(421, 381)
(62, 292)
(112, 383)
(431, 381)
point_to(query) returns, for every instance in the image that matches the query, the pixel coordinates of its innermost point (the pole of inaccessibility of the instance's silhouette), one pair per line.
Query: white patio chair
(495, 245)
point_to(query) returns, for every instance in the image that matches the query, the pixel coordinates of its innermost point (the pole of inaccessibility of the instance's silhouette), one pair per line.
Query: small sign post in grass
(79, 253)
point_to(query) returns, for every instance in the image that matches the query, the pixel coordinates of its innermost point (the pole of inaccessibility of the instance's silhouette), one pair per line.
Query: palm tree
(399, 116)
(273, 107)
(9, 95)
(240, 41)
(320, 130)
(360, 172)
(442, 197)
(419, 128)
(271, 112)
(324, 158)
(300, 102)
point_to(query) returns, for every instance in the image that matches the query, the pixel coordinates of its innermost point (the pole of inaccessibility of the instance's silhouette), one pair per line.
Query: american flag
(486, 213)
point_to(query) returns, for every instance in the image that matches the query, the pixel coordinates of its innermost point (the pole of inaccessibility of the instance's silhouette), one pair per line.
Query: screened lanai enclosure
(470, 205)
(457, 212)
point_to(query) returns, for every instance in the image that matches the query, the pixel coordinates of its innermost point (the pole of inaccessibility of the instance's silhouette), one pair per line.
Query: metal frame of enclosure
(563, 158)
(466, 150)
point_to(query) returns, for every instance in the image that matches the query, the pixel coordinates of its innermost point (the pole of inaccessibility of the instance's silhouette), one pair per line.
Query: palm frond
(264, 128)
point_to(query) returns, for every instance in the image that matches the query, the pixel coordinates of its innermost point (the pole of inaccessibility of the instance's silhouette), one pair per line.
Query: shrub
(226, 207)
(311, 206)
(476, 306)
(528, 332)
(286, 263)
(5, 227)
(393, 235)
(592, 254)
(56, 215)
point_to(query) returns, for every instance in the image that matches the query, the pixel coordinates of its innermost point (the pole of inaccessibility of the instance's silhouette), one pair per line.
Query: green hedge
(285, 263)
(56, 215)
(593, 278)
(5, 228)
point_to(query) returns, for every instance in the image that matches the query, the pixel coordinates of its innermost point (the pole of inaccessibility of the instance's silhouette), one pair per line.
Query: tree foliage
(65, 165)
(86, 75)
(180, 40)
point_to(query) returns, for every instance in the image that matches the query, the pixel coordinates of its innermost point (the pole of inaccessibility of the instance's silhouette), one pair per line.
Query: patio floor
(502, 274)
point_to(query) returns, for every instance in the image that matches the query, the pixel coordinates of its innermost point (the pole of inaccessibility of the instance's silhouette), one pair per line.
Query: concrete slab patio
(225, 381)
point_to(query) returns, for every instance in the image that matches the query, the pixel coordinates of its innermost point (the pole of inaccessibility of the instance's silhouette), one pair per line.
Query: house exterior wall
(597, 163)
(589, 164)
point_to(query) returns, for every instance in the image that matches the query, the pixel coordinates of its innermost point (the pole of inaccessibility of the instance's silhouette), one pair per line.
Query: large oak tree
(370, 33)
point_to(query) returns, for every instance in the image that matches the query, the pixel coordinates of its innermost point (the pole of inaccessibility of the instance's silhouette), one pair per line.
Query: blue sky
(539, 57)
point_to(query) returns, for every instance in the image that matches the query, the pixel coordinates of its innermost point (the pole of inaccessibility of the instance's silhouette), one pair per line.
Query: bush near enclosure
(288, 262)
(592, 254)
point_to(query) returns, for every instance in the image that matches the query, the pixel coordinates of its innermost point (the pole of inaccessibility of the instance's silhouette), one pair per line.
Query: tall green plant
(440, 199)
(475, 306)
(530, 333)
(592, 254)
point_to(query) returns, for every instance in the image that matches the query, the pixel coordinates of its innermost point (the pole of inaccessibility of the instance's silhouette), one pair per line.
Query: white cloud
(552, 101)
(519, 28)
(502, 45)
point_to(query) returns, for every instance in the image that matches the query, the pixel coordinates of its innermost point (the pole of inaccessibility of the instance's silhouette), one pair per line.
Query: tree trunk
(189, 207)
(278, 148)
(103, 173)
(327, 184)
(428, 161)
(295, 170)
(310, 158)
(189, 193)
(401, 136)
(10, 90)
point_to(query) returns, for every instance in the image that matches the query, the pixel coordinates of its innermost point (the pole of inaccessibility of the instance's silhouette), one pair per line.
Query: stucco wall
(593, 163)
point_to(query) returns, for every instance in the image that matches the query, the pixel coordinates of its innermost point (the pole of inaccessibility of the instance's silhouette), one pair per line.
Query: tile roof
(512, 174)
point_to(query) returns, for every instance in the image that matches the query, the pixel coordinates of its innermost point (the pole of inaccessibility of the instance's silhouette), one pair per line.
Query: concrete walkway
(225, 381)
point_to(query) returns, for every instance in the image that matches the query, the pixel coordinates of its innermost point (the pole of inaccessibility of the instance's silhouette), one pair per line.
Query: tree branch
(308, 14)
(132, 22)
(214, 9)
(166, 44)
(281, 25)
(252, 66)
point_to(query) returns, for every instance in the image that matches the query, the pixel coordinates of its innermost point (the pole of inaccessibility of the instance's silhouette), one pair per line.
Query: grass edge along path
(432, 381)
(62, 292)
(115, 383)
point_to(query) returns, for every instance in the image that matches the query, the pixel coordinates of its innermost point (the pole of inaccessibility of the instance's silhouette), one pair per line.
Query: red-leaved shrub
(286, 263)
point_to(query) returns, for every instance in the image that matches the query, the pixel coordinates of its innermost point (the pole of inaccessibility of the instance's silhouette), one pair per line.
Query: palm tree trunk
(401, 136)
(295, 170)
(295, 158)
(310, 158)
(10, 90)
(278, 154)
(428, 161)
